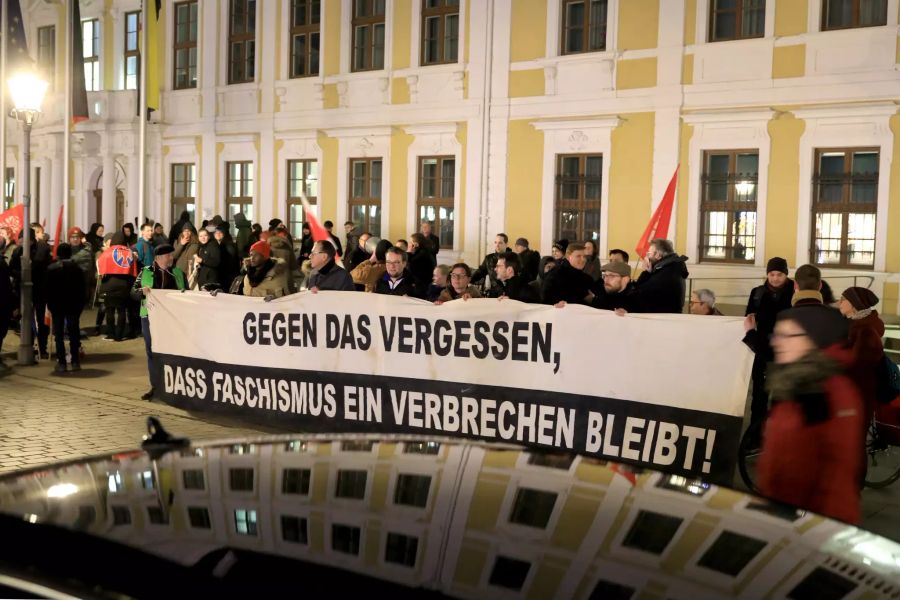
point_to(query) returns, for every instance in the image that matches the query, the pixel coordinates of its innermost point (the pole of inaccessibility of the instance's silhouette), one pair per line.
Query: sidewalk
(48, 417)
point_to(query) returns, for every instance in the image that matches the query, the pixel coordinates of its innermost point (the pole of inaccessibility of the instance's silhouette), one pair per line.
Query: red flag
(59, 219)
(319, 233)
(13, 218)
(658, 227)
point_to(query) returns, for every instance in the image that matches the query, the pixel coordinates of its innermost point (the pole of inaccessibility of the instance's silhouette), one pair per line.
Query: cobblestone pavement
(47, 418)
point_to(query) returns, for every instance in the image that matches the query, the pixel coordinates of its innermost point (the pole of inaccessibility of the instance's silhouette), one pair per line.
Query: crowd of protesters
(815, 357)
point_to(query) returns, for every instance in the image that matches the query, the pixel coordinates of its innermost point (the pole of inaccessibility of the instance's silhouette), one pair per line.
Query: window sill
(564, 59)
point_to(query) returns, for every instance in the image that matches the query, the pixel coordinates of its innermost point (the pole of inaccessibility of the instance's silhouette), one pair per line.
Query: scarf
(803, 381)
(806, 295)
(255, 275)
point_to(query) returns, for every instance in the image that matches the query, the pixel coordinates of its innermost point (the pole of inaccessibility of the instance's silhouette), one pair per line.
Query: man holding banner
(326, 274)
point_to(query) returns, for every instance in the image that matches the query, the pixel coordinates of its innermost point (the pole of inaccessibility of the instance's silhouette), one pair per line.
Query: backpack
(887, 380)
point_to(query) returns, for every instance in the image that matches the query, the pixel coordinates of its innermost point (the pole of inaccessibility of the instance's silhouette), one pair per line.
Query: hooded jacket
(661, 289)
(242, 235)
(274, 280)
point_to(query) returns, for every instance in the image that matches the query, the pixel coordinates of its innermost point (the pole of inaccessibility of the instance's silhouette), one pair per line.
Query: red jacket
(867, 350)
(817, 466)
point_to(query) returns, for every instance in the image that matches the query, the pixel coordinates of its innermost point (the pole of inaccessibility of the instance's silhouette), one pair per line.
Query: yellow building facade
(542, 119)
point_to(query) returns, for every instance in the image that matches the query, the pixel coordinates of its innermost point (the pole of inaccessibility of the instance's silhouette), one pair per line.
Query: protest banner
(663, 391)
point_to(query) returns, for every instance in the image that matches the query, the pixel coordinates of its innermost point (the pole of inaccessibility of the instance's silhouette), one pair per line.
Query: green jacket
(146, 280)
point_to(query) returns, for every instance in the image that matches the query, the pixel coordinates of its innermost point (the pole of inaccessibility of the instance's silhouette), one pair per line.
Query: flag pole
(142, 132)
(67, 124)
(4, 17)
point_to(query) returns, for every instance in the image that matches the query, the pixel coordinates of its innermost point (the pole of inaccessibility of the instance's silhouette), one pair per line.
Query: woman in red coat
(866, 331)
(812, 453)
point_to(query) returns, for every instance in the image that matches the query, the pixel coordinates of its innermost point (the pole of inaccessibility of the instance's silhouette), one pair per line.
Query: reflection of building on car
(466, 518)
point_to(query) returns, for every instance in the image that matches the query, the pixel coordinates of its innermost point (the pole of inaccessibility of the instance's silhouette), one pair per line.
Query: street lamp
(27, 91)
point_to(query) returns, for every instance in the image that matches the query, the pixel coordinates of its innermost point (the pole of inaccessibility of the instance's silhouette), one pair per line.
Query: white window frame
(433, 140)
(554, 27)
(727, 131)
(368, 142)
(701, 31)
(415, 50)
(588, 136)
(845, 127)
(303, 146)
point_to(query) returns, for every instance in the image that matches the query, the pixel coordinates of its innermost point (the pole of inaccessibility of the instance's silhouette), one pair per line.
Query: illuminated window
(578, 186)
(90, 45)
(421, 448)
(239, 189)
(728, 205)
(303, 175)
(245, 522)
(365, 194)
(845, 201)
(132, 49)
(184, 190)
(437, 186)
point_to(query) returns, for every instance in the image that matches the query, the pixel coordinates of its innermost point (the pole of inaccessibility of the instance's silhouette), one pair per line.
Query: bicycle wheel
(882, 460)
(748, 455)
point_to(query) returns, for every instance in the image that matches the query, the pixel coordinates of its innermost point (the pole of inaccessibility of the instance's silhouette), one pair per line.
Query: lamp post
(27, 90)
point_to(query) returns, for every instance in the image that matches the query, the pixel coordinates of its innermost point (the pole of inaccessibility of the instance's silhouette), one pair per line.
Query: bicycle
(882, 455)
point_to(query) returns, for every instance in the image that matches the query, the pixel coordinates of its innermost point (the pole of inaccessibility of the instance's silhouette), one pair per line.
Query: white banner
(666, 391)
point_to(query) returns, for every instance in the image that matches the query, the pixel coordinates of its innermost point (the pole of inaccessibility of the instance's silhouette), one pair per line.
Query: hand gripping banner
(662, 391)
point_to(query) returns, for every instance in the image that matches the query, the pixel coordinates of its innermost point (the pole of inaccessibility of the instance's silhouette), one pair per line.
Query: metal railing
(742, 286)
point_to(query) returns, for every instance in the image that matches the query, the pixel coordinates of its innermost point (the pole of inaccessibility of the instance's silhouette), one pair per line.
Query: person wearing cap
(264, 276)
(326, 274)
(763, 306)
(161, 274)
(617, 291)
(857, 304)
(529, 259)
(64, 283)
(557, 254)
(812, 450)
(510, 284)
(486, 270)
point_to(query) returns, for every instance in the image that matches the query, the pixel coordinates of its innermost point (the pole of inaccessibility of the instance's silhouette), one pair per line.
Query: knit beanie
(861, 298)
(262, 248)
(777, 264)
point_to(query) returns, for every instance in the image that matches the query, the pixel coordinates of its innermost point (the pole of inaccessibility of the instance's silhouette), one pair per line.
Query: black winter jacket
(661, 289)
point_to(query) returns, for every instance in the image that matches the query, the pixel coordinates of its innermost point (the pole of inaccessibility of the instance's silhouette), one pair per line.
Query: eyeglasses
(458, 276)
(776, 335)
